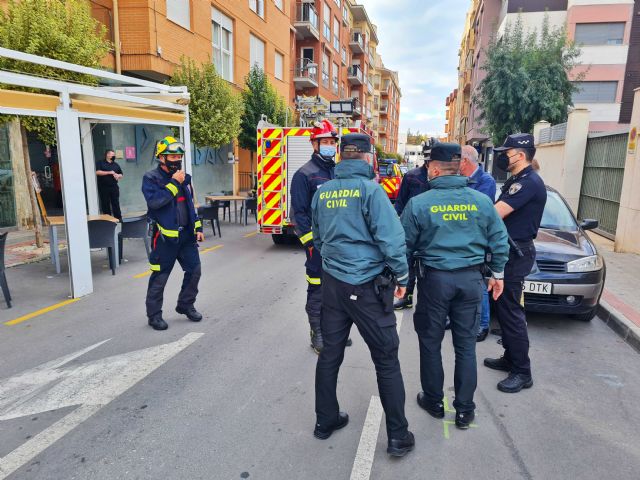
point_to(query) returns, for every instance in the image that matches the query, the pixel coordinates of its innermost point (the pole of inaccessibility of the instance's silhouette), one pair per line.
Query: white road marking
(89, 386)
(369, 438)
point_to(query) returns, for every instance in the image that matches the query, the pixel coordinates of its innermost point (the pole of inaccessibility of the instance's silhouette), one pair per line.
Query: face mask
(502, 162)
(327, 151)
(173, 167)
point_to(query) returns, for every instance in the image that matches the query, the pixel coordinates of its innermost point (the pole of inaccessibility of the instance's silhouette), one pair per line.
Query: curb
(620, 324)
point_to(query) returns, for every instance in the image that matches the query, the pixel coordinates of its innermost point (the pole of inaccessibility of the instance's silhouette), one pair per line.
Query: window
(279, 4)
(222, 36)
(325, 70)
(600, 33)
(256, 51)
(326, 20)
(278, 69)
(334, 78)
(595, 92)
(336, 34)
(178, 12)
(337, 2)
(257, 6)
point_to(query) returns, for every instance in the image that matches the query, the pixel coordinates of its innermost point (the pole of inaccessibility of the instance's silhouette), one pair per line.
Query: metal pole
(116, 37)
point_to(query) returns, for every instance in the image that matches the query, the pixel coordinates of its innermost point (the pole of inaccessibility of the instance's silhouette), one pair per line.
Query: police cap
(356, 142)
(446, 152)
(517, 140)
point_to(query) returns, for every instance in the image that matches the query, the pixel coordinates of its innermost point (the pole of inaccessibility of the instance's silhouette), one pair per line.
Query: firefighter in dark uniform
(415, 182)
(521, 204)
(449, 230)
(176, 231)
(306, 181)
(364, 264)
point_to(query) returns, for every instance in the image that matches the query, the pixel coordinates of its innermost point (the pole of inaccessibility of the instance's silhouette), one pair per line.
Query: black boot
(515, 382)
(399, 447)
(404, 302)
(191, 313)
(316, 335)
(157, 323)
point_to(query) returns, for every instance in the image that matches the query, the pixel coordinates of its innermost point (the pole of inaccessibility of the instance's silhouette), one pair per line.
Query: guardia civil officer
(362, 244)
(306, 181)
(520, 205)
(449, 229)
(176, 231)
(482, 182)
(414, 183)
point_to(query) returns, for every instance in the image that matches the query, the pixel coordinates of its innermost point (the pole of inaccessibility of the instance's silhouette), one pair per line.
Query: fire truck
(281, 151)
(390, 177)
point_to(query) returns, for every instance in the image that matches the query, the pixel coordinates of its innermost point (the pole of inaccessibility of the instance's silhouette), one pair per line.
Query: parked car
(568, 275)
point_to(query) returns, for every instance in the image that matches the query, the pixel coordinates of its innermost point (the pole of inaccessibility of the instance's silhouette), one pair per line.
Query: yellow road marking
(211, 249)
(252, 234)
(42, 311)
(142, 275)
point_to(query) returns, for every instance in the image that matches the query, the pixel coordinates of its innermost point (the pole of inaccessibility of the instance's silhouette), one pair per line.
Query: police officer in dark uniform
(449, 230)
(521, 205)
(363, 250)
(176, 231)
(306, 181)
(109, 174)
(414, 183)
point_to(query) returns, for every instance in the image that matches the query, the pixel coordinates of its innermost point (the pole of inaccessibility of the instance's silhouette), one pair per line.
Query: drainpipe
(116, 35)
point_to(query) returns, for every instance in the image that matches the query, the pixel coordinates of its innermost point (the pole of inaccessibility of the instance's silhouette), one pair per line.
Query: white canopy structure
(75, 107)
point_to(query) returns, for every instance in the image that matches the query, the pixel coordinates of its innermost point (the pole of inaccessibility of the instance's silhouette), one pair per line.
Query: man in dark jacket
(482, 182)
(109, 174)
(414, 183)
(306, 181)
(362, 244)
(176, 231)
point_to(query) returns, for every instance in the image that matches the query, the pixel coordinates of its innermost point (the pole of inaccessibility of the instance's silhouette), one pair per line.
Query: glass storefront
(135, 147)
(7, 195)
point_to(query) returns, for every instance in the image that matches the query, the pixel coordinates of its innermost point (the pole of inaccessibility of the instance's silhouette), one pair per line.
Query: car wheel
(586, 317)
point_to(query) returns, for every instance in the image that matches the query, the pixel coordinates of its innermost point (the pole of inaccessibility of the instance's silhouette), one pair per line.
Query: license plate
(538, 288)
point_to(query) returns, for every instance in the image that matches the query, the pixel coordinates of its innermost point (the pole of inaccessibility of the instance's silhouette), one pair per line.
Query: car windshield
(557, 215)
(386, 170)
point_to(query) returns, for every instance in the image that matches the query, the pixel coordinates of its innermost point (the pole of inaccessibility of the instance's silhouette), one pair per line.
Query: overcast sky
(420, 39)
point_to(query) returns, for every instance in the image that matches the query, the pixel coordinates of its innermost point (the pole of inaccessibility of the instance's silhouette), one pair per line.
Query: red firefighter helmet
(324, 129)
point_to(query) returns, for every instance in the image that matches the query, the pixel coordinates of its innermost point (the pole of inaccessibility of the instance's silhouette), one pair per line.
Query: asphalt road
(238, 400)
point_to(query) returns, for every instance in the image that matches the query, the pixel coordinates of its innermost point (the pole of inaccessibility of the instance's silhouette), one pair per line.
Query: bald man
(482, 182)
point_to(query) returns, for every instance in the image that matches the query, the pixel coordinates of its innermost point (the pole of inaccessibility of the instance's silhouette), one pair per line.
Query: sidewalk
(620, 303)
(21, 247)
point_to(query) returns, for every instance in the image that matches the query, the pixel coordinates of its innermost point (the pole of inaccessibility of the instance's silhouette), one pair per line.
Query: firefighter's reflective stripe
(313, 280)
(306, 238)
(198, 224)
(154, 268)
(168, 233)
(172, 188)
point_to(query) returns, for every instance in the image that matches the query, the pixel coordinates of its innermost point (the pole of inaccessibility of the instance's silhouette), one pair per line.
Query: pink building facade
(602, 29)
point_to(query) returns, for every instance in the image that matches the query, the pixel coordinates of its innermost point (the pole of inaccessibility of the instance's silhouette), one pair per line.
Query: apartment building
(389, 110)
(363, 44)
(451, 127)
(602, 29)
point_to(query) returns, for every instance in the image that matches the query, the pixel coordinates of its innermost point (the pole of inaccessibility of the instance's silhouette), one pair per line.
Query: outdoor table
(229, 198)
(55, 222)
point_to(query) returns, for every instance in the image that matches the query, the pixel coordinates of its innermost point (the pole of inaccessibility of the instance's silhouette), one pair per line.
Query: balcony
(306, 22)
(370, 86)
(357, 43)
(354, 75)
(357, 108)
(305, 74)
(384, 109)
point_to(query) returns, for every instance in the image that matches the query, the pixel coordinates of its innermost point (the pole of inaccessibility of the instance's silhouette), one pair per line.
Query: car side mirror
(589, 224)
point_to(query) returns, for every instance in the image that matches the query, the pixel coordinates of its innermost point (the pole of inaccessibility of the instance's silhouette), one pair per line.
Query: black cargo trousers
(344, 304)
(457, 294)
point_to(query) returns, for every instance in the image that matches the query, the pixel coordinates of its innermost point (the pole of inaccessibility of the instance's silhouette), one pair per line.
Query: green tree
(61, 30)
(259, 98)
(527, 80)
(215, 109)
(58, 29)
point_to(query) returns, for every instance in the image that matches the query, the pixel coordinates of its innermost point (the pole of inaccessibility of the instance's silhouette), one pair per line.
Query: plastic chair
(3, 277)
(134, 227)
(251, 205)
(211, 212)
(102, 234)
